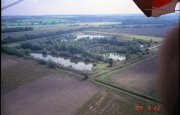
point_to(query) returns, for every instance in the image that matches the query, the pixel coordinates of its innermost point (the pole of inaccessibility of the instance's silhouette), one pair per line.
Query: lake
(80, 36)
(115, 56)
(64, 62)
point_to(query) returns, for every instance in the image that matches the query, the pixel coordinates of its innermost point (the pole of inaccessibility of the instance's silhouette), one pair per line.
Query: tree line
(16, 29)
(87, 49)
(25, 37)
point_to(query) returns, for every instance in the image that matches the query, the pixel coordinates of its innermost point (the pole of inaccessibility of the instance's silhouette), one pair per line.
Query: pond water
(141, 46)
(80, 36)
(115, 56)
(64, 62)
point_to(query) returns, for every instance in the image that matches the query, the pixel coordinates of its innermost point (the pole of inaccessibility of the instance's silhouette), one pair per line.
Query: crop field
(36, 31)
(110, 102)
(52, 95)
(25, 82)
(127, 36)
(140, 77)
(98, 23)
(52, 28)
(29, 20)
(144, 31)
(18, 71)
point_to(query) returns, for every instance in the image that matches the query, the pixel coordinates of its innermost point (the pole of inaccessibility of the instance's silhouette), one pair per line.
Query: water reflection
(89, 36)
(64, 62)
(114, 56)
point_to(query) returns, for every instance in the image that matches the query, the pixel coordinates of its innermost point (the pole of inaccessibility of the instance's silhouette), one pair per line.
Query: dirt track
(51, 95)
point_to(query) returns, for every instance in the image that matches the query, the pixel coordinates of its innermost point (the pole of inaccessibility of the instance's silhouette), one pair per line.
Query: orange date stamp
(148, 107)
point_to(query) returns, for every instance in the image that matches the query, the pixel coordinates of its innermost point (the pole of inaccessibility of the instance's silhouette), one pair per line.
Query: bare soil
(140, 77)
(108, 102)
(19, 71)
(50, 95)
(8, 63)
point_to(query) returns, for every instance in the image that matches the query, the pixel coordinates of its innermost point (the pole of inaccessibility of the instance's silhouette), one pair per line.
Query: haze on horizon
(70, 7)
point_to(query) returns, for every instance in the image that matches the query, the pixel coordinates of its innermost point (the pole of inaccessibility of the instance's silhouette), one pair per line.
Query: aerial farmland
(81, 65)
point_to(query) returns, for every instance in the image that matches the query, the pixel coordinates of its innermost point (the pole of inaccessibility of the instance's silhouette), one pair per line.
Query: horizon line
(85, 14)
(69, 14)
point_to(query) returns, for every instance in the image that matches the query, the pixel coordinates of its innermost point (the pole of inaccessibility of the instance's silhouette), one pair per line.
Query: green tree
(110, 62)
(51, 64)
(147, 51)
(140, 55)
(128, 56)
(151, 41)
(44, 52)
(134, 39)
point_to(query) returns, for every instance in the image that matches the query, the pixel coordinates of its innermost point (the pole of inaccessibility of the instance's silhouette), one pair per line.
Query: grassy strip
(15, 51)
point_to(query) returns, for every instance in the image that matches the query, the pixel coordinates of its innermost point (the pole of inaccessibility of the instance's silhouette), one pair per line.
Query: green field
(128, 36)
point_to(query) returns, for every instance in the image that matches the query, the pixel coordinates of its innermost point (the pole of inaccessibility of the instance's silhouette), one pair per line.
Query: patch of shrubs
(41, 61)
(16, 29)
(15, 51)
(51, 64)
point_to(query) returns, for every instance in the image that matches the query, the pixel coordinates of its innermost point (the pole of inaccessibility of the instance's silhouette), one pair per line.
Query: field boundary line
(122, 89)
(122, 66)
(127, 91)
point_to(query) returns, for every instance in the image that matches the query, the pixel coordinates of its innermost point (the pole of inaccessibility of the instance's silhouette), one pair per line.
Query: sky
(69, 7)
